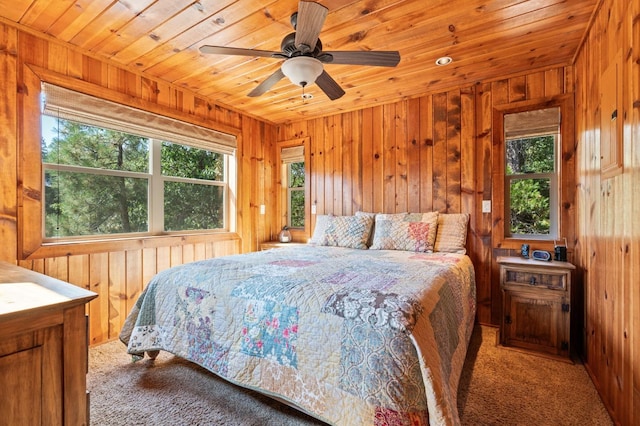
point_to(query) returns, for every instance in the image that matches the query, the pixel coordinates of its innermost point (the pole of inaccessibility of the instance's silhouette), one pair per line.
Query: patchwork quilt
(352, 337)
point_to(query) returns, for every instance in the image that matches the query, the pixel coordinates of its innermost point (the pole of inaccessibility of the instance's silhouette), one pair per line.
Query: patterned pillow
(452, 233)
(406, 231)
(343, 231)
(322, 222)
(373, 228)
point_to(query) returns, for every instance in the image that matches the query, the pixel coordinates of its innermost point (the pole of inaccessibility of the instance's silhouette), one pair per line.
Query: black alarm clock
(541, 255)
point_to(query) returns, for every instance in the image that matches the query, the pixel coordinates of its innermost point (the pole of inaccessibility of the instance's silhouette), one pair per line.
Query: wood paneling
(608, 224)
(430, 153)
(118, 270)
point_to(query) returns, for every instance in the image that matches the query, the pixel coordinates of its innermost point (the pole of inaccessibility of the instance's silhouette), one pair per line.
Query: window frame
(565, 159)
(155, 188)
(553, 196)
(291, 190)
(30, 174)
(283, 209)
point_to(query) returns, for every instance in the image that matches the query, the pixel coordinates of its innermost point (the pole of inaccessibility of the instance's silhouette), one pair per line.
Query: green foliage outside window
(530, 196)
(103, 186)
(77, 203)
(296, 194)
(188, 205)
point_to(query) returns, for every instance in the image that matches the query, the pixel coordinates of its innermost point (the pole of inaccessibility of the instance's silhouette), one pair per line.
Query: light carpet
(498, 387)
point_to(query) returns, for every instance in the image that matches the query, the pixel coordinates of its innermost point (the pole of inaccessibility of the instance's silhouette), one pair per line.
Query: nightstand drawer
(536, 279)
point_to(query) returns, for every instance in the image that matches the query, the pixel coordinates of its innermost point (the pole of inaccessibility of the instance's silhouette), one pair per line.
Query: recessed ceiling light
(445, 60)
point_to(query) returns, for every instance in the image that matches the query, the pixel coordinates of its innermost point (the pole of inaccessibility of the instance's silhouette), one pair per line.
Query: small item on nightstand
(285, 235)
(560, 251)
(541, 255)
(524, 251)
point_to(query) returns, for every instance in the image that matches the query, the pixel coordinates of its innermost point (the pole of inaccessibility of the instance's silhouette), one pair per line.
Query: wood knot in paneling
(31, 193)
(359, 36)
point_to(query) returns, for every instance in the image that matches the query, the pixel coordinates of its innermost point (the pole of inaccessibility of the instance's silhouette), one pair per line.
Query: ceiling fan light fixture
(302, 70)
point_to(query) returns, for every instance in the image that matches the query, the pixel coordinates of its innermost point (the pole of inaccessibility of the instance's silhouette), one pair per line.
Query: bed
(348, 333)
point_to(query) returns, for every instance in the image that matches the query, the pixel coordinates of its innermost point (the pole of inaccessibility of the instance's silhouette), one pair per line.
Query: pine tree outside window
(531, 175)
(104, 175)
(294, 170)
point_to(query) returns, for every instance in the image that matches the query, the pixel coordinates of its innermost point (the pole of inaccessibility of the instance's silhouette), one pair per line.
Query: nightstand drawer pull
(532, 280)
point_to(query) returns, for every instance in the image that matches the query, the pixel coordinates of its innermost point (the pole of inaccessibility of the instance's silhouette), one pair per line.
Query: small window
(531, 175)
(295, 194)
(294, 176)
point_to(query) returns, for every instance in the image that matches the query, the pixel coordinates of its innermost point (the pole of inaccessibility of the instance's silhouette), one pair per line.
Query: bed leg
(153, 354)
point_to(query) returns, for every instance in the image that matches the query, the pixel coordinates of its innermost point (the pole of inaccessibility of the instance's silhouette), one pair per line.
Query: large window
(104, 175)
(531, 173)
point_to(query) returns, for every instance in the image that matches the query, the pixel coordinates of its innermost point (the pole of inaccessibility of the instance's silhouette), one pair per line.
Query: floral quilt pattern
(270, 331)
(353, 337)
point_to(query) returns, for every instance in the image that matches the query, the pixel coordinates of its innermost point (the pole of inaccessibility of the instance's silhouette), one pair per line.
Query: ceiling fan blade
(311, 18)
(365, 57)
(329, 86)
(221, 50)
(267, 84)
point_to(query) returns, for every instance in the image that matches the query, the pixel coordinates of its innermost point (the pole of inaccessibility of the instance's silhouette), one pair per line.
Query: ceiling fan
(303, 55)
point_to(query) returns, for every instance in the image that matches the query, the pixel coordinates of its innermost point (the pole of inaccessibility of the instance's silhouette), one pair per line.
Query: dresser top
(24, 291)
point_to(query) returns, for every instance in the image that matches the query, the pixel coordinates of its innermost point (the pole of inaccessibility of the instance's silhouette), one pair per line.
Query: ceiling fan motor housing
(288, 47)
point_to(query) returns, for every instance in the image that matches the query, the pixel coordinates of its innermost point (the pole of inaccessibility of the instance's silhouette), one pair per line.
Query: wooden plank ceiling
(161, 39)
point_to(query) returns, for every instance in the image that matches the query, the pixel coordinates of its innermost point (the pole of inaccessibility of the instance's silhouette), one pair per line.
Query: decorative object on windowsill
(524, 251)
(285, 235)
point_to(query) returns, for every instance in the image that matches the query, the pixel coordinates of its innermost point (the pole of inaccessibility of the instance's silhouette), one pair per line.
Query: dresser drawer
(535, 279)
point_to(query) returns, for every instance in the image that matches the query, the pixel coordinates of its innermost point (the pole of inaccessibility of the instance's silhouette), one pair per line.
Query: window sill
(77, 247)
(535, 243)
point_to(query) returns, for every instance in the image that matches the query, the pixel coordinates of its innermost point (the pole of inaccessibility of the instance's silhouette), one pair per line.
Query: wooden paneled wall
(608, 249)
(432, 153)
(116, 270)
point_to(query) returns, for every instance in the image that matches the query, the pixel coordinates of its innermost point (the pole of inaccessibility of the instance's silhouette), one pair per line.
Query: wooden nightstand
(536, 305)
(277, 244)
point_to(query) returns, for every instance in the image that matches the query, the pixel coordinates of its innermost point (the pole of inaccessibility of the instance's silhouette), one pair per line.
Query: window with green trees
(531, 186)
(99, 181)
(295, 194)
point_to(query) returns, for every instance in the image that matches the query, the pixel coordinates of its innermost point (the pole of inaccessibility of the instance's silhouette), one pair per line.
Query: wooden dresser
(43, 349)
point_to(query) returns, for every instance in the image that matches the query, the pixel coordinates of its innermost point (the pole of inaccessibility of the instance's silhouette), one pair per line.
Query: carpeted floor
(498, 387)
